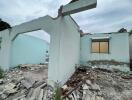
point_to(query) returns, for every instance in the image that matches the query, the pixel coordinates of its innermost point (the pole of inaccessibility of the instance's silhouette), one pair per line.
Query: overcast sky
(109, 16)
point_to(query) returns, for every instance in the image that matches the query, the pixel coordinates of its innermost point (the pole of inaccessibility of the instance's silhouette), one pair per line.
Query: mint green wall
(28, 50)
(118, 46)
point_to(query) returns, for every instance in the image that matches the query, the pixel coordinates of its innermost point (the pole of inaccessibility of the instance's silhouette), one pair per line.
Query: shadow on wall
(131, 64)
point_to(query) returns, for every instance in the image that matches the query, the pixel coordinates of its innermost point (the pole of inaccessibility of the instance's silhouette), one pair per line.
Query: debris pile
(26, 82)
(109, 64)
(98, 84)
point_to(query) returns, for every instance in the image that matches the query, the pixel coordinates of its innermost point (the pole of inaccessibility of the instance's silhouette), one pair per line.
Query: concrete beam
(78, 6)
(44, 23)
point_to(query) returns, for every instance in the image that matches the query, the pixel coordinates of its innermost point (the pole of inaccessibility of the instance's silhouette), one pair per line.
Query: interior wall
(28, 50)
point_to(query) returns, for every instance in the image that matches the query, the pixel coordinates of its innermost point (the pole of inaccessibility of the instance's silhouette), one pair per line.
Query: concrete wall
(130, 45)
(64, 45)
(78, 6)
(65, 40)
(5, 49)
(28, 50)
(65, 49)
(8, 36)
(119, 48)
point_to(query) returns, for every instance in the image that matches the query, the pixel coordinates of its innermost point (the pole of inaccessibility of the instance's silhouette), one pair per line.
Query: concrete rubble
(98, 84)
(109, 64)
(25, 82)
(29, 82)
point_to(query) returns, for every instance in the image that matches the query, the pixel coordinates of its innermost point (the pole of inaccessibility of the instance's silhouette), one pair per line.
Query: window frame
(99, 41)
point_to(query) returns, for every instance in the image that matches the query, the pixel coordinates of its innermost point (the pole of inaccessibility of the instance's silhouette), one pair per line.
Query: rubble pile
(29, 82)
(26, 82)
(98, 84)
(109, 64)
(106, 62)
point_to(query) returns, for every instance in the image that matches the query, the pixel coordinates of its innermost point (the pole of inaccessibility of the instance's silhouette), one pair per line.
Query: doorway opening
(30, 52)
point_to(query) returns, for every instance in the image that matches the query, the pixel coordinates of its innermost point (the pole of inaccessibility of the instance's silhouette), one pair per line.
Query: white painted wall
(65, 52)
(65, 41)
(9, 35)
(130, 45)
(5, 49)
(119, 48)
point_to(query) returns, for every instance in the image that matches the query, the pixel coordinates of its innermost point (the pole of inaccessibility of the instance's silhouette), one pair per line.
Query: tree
(122, 30)
(4, 25)
(130, 32)
(74, 1)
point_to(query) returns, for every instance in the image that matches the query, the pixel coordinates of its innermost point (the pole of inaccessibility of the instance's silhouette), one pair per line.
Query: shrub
(57, 93)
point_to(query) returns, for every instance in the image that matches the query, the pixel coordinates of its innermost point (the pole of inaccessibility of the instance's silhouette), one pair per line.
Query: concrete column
(5, 51)
(64, 50)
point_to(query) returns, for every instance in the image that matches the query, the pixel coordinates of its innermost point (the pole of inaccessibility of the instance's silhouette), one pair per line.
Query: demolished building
(70, 48)
(64, 33)
(106, 50)
(65, 44)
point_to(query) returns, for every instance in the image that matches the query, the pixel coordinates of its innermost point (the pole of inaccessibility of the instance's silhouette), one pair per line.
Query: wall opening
(30, 48)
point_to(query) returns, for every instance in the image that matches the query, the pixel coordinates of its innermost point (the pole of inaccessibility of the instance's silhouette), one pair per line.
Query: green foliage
(57, 93)
(1, 73)
(130, 32)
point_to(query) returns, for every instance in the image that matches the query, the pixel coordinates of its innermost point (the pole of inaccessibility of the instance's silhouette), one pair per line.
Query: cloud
(40, 34)
(109, 16)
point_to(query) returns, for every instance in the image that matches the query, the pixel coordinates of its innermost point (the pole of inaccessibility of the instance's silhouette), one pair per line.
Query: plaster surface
(118, 47)
(28, 50)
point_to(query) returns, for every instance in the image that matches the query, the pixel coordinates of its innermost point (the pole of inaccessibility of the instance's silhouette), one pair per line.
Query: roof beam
(78, 6)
